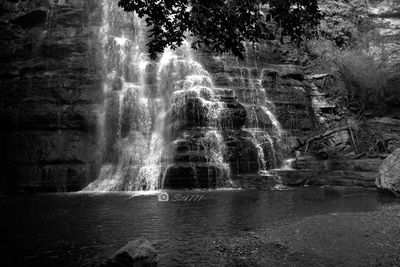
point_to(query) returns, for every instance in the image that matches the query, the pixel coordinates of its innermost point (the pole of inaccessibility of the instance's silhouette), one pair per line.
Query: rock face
(389, 173)
(137, 253)
(255, 102)
(327, 177)
(50, 85)
(51, 92)
(310, 171)
(225, 118)
(266, 79)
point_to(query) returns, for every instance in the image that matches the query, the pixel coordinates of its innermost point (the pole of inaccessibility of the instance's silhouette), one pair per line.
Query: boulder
(137, 253)
(389, 174)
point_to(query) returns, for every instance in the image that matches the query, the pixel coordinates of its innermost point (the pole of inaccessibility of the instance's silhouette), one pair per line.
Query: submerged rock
(389, 173)
(137, 253)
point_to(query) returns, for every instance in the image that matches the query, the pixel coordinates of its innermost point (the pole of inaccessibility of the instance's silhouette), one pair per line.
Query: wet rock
(190, 112)
(137, 253)
(257, 181)
(241, 153)
(195, 175)
(389, 173)
(233, 116)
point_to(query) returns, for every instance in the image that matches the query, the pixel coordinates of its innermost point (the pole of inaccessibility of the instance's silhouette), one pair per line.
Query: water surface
(74, 229)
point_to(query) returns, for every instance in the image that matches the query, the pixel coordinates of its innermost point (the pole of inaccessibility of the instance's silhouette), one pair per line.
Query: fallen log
(324, 135)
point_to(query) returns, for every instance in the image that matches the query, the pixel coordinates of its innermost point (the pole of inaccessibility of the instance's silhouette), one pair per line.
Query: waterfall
(263, 128)
(148, 106)
(131, 119)
(193, 118)
(165, 124)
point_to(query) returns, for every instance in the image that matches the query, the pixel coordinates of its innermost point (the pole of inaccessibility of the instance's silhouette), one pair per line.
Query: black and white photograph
(237, 133)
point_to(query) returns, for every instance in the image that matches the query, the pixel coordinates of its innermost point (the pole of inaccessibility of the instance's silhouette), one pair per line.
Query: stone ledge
(323, 177)
(357, 165)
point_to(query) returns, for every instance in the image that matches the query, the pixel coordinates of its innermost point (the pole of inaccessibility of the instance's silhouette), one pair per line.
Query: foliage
(222, 26)
(344, 22)
(363, 64)
(297, 19)
(360, 79)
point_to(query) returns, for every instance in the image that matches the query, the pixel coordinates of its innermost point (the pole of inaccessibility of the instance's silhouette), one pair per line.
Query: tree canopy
(222, 25)
(345, 22)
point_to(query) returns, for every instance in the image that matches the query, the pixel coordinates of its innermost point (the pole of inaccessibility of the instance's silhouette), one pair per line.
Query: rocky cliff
(52, 74)
(260, 105)
(51, 91)
(49, 88)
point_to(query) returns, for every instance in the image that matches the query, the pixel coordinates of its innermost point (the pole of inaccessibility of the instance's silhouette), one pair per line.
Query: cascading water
(197, 146)
(252, 82)
(149, 107)
(264, 129)
(131, 118)
(165, 124)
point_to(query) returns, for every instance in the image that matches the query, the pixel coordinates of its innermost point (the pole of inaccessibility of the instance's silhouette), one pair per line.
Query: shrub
(360, 78)
(363, 78)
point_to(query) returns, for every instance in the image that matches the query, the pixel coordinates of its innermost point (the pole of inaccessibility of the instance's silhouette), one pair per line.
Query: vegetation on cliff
(360, 65)
(350, 46)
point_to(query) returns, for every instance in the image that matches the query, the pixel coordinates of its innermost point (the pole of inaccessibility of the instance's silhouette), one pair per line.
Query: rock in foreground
(137, 253)
(389, 173)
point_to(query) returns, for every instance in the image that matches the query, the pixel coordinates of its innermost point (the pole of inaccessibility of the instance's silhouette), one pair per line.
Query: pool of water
(74, 229)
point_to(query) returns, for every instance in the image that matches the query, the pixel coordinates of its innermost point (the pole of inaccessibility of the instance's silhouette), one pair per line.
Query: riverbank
(334, 239)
